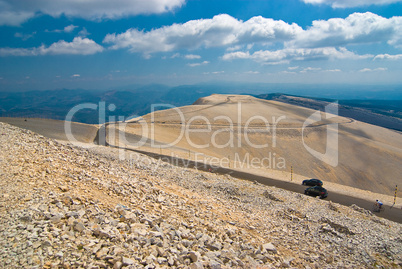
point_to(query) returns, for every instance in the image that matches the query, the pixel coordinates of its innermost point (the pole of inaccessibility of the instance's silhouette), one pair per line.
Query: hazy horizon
(329, 90)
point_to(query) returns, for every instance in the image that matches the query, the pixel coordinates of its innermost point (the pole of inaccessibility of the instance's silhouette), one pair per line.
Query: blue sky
(100, 44)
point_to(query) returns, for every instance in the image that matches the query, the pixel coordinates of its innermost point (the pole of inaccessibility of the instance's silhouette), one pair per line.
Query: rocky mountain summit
(65, 206)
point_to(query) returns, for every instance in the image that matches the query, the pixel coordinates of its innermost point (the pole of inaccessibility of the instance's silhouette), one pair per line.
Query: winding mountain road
(394, 214)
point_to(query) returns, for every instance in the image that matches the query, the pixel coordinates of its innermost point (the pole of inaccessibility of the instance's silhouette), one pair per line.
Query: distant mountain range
(56, 104)
(137, 100)
(384, 113)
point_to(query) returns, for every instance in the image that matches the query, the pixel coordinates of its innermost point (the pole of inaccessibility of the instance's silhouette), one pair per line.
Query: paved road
(394, 214)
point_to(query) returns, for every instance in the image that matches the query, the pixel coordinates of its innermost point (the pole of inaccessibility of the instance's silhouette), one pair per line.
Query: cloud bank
(221, 30)
(325, 39)
(192, 57)
(79, 46)
(350, 3)
(15, 12)
(365, 70)
(388, 57)
(224, 30)
(289, 54)
(357, 28)
(198, 64)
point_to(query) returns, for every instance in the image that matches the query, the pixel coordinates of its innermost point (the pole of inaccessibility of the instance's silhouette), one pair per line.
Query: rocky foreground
(63, 206)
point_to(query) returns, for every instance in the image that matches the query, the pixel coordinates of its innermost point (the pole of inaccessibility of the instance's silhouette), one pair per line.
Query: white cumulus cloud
(68, 29)
(310, 69)
(23, 36)
(234, 48)
(14, 18)
(350, 3)
(214, 73)
(288, 54)
(226, 31)
(252, 72)
(192, 56)
(198, 64)
(15, 12)
(365, 70)
(221, 30)
(79, 46)
(357, 28)
(84, 32)
(388, 57)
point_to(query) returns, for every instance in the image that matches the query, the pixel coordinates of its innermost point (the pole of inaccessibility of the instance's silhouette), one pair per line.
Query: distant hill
(384, 113)
(55, 104)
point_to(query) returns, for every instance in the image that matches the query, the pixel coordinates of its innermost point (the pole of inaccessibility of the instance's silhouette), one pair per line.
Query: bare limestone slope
(63, 206)
(232, 128)
(55, 129)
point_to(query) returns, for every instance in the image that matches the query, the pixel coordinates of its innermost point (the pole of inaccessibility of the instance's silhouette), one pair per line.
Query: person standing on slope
(379, 204)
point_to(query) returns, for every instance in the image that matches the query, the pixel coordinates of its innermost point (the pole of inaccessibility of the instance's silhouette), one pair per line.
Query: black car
(316, 191)
(312, 182)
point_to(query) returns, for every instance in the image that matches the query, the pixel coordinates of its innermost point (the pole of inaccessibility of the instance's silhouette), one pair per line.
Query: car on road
(312, 182)
(316, 191)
